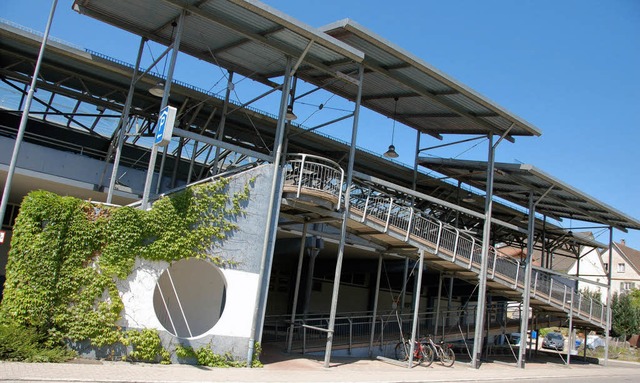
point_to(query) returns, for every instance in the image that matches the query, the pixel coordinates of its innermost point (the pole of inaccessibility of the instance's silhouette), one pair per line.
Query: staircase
(307, 175)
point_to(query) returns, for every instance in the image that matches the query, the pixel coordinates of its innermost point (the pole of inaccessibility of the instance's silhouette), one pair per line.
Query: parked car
(553, 340)
(514, 338)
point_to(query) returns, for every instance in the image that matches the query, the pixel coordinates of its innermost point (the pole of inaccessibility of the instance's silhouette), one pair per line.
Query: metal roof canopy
(62, 60)
(428, 100)
(513, 182)
(247, 37)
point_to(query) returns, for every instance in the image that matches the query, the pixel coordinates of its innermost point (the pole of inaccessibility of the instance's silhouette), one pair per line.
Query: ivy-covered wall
(84, 273)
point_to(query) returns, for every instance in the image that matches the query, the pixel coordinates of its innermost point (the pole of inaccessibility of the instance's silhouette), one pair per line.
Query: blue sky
(569, 67)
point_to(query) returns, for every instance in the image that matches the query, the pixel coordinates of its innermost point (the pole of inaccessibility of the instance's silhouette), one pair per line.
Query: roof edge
(372, 37)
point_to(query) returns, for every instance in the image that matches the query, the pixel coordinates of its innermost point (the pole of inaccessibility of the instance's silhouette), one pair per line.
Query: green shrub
(19, 343)
(206, 357)
(147, 346)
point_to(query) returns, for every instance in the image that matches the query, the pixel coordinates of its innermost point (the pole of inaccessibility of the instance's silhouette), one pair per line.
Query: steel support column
(570, 335)
(223, 119)
(416, 308)
(165, 102)
(405, 278)
(124, 122)
(375, 305)
(345, 215)
(296, 290)
(484, 262)
(526, 294)
(482, 278)
(25, 115)
(449, 305)
(272, 221)
(608, 329)
(435, 327)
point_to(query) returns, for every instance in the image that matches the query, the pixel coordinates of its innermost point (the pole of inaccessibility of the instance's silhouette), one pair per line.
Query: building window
(621, 267)
(626, 286)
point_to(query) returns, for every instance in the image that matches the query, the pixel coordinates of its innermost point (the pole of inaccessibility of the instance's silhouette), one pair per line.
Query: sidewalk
(300, 369)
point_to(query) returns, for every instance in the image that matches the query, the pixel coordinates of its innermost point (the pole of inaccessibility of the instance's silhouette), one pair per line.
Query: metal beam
(272, 221)
(25, 116)
(345, 217)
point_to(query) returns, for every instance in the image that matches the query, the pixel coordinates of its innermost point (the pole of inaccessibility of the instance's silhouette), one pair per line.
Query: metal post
(435, 327)
(161, 171)
(124, 123)
(25, 115)
(415, 169)
(294, 306)
(416, 309)
(272, 223)
(345, 215)
(223, 119)
(313, 253)
(404, 284)
(482, 285)
(608, 328)
(570, 327)
(449, 304)
(375, 305)
(526, 294)
(165, 102)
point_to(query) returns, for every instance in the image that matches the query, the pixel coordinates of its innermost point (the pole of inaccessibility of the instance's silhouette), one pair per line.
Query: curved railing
(318, 174)
(396, 216)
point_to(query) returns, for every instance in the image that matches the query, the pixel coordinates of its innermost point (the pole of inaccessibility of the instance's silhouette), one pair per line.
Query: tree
(596, 295)
(626, 315)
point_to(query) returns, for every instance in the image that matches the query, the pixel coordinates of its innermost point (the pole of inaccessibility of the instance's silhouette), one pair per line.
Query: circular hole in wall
(189, 297)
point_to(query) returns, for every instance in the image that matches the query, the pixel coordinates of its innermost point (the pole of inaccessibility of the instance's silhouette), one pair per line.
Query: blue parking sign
(164, 128)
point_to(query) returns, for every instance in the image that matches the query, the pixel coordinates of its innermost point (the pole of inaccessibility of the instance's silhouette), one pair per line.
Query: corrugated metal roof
(247, 37)
(513, 182)
(409, 76)
(106, 80)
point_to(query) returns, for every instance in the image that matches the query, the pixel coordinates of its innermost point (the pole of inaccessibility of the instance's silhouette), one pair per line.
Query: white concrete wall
(242, 249)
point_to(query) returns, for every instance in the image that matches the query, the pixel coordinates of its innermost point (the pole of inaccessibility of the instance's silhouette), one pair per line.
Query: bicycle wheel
(402, 351)
(427, 355)
(447, 357)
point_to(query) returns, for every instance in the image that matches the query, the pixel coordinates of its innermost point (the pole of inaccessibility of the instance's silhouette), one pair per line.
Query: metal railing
(360, 330)
(314, 173)
(396, 217)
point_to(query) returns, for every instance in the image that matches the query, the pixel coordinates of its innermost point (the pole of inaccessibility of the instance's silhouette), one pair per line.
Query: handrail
(315, 173)
(394, 216)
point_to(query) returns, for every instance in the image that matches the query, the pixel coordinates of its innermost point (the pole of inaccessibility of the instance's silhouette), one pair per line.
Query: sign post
(164, 130)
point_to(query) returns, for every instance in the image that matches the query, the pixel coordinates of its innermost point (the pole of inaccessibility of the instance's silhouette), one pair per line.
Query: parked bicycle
(422, 353)
(440, 350)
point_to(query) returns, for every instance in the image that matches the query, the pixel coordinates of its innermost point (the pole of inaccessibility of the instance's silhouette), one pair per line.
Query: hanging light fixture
(469, 198)
(290, 116)
(391, 152)
(158, 89)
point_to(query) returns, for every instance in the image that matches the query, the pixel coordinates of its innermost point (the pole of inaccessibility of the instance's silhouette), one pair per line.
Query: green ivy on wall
(67, 254)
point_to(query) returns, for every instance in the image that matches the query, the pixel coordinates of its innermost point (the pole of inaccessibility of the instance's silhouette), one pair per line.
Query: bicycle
(443, 352)
(421, 352)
